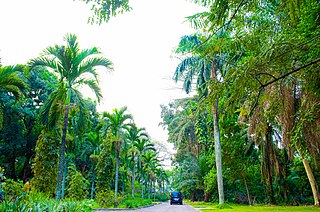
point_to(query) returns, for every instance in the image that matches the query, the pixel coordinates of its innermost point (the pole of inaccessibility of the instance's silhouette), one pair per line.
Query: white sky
(139, 43)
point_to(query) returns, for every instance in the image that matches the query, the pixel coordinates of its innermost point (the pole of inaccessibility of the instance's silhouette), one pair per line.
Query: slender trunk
(92, 185)
(217, 141)
(313, 183)
(64, 181)
(133, 176)
(117, 176)
(154, 193)
(268, 139)
(247, 188)
(61, 168)
(149, 191)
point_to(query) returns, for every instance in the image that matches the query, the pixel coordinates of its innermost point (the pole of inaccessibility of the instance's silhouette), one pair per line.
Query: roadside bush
(162, 197)
(106, 198)
(77, 184)
(136, 202)
(26, 203)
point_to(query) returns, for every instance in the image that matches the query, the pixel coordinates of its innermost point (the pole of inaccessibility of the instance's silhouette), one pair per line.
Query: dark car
(175, 197)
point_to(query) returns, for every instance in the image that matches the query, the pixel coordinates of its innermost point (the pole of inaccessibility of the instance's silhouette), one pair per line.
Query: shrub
(40, 203)
(136, 202)
(46, 163)
(12, 189)
(162, 197)
(77, 184)
(105, 198)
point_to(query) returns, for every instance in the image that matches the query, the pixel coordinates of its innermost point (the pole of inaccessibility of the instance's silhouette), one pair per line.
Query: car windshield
(175, 194)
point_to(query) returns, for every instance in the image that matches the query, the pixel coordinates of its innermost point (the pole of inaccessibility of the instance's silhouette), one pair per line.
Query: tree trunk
(313, 183)
(247, 188)
(117, 176)
(92, 186)
(268, 139)
(149, 189)
(62, 162)
(64, 181)
(133, 176)
(154, 193)
(217, 141)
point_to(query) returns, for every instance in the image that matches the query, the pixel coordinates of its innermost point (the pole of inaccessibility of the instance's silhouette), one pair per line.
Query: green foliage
(12, 189)
(77, 185)
(45, 163)
(104, 166)
(162, 197)
(136, 202)
(106, 198)
(39, 202)
(103, 10)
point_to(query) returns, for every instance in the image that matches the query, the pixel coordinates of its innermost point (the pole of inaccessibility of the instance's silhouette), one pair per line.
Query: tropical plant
(134, 136)
(74, 68)
(117, 123)
(208, 66)
(11, 83)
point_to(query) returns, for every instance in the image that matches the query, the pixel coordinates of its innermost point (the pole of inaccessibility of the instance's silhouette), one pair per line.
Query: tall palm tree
(117, 124)
(11, 83)
(151, 163)
(134, 135)
(143, 146)
(75, 68)
(204, 66)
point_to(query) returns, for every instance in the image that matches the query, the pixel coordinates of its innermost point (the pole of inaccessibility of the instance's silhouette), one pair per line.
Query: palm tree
(75, 68)
(150, 164)
(11, 83)
(143, 146)
(204, 66)
(117, 124)
(134, 135)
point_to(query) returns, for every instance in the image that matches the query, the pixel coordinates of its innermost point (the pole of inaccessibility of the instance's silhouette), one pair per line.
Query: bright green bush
(136, 202)
(46, 163)
(162, 197)
(106, 198)
(40, 203)
(12, 189)
(77, 184)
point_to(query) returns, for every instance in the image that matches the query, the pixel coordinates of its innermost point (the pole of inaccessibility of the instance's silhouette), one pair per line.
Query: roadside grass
(207, 206)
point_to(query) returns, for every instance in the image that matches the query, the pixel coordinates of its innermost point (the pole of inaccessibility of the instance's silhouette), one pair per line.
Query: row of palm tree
(67, 113)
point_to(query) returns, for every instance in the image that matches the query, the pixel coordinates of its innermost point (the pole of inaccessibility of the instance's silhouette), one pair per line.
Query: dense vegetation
(54, 136)
(250, 134)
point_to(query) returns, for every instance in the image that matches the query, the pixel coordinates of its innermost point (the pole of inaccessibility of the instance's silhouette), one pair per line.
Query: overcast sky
(139, 43)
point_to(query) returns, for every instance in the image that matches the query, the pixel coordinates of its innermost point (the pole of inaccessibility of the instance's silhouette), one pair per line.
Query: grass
(206, 207)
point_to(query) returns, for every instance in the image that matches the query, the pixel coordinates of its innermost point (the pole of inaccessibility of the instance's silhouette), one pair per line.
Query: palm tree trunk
(62, 162)
(217, 141)
(268, 140)
(92, 185)
(312, 180)
(154, 193)
(133, 176)
(149, 189)
(217, 147)
(117, 176)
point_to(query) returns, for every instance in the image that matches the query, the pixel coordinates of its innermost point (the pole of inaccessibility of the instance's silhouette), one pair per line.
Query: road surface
(163, 207)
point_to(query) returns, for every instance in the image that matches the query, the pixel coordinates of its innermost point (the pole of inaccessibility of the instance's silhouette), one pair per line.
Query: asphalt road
(163, 207)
